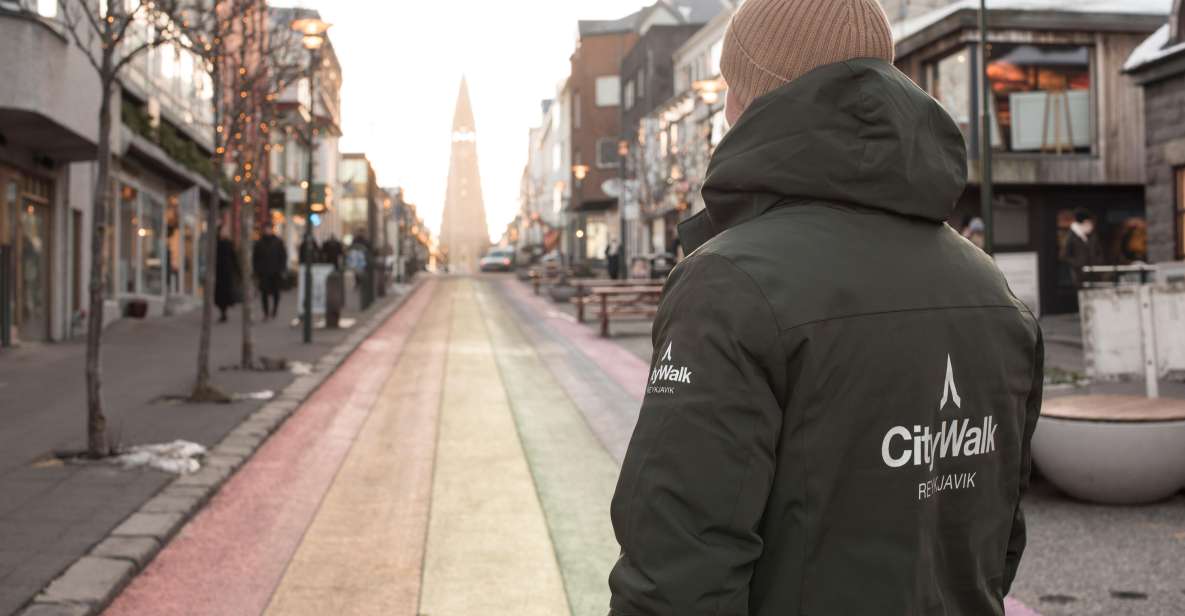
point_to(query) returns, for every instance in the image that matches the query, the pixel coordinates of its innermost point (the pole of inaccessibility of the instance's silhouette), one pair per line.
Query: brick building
(1158, 65)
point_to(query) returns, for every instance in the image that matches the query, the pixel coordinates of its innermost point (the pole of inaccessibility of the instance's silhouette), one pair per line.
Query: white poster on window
(1021, 272)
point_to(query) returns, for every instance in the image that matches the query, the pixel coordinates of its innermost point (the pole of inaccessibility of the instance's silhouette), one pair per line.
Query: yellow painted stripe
(488, 552)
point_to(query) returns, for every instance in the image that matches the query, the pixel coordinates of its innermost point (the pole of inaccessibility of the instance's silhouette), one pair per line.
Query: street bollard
(6, 285)
(335, 298)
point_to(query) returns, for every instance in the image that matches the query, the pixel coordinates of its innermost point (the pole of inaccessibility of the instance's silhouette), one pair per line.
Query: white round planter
(1114, 462)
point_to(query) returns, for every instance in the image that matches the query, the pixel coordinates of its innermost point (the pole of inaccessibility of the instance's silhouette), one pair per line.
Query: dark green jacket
(843, 389)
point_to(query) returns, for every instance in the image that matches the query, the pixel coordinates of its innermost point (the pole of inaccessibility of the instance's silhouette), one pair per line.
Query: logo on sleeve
(667, 372)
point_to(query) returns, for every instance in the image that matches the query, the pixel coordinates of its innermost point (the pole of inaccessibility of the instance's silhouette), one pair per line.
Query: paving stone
(56, 609)
(160, 525)
(135, 549)
(241, 439)
(92, 579)
(224, 459)
(209, 476)
(233, 451)
(171, 503)
(200, 492)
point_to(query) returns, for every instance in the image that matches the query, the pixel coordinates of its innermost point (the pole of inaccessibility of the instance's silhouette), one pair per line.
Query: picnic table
(622, 300)
(584, 288)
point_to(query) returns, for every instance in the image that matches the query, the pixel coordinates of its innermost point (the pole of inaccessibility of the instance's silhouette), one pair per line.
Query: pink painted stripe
(621, 365)
(231, 556)
(1012, 607)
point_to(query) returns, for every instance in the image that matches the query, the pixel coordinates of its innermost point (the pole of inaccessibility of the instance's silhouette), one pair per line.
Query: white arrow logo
(666, 355)
(949, 391)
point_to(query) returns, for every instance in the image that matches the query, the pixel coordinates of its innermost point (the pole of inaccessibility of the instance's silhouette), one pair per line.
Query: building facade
(1067, 127)
(675, 140)
(48, 136)
(1158, 66)
(297, 106)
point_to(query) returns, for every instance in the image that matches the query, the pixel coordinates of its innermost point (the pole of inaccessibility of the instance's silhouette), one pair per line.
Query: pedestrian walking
(613, 260)
(332, 251)
(1081, 247)
(843, 389)
(227, 276)
(270, 261)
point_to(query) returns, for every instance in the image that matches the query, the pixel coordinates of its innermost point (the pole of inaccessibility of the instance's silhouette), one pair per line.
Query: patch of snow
(1152, 49)
(178, 457)
(909, 27)
(266, 394)
(300, 368)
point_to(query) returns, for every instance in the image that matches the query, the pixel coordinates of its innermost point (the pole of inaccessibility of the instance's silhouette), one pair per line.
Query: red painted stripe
(230, 557)
(621, 365)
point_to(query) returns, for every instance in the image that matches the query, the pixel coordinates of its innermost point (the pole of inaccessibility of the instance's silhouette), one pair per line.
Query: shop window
(607, 153)
(1179, 174)
(1041, 98)
(950, 84)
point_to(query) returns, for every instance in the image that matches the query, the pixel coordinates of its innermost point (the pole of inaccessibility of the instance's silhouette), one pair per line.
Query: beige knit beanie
(770, 43)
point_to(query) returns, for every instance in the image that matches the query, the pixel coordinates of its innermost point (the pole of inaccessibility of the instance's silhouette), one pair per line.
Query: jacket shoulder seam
(773, 314)
(873, 313)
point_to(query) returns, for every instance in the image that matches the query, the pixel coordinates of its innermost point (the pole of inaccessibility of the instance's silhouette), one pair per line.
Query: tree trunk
(203, 389)
(96, 423)
(247, 227)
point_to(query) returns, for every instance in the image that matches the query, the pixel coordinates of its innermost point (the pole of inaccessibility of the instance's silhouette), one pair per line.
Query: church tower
(464, 236)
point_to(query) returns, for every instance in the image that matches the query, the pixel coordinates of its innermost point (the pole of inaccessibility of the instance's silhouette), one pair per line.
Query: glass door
(34, 273)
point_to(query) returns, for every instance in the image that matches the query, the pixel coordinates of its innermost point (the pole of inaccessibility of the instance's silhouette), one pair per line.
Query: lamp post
(985, 133)
(623, 152)
(579, 172)
(313, 31)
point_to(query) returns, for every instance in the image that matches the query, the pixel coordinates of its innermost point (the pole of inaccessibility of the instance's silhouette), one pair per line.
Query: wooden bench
(585, 287)
(549, 276)
(620, 301)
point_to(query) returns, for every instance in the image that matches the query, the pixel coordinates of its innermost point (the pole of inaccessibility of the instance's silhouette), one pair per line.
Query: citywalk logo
(951, 438)
(667, 372)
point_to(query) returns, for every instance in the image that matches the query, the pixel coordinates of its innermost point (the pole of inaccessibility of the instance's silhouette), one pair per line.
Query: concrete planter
(1112, 462)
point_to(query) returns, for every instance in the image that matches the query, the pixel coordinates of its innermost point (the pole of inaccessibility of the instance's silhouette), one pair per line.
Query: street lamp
(709, 90)
(579, 172)
(313, 32)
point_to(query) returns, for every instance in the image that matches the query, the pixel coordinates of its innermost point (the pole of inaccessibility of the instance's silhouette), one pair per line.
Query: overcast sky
(402, 62)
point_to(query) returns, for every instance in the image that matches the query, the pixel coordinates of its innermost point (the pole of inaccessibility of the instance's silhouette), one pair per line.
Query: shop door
(33, 273)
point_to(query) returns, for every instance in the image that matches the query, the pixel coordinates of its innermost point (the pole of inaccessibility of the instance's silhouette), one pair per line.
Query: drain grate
(1058, 599)
(1129, 595)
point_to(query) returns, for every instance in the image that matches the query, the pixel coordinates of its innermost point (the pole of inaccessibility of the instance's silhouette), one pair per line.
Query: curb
(93, 581)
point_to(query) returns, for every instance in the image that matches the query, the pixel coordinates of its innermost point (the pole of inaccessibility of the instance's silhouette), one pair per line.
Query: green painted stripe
(574, 475)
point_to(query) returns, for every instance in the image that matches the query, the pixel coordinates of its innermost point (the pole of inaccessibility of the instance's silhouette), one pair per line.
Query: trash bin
(335, 298)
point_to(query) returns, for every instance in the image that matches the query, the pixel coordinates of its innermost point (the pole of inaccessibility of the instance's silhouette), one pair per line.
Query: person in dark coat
(1082, 248)
(227, 276)
(613, 260)
(332, 251)
(270, 260)
(843, 390)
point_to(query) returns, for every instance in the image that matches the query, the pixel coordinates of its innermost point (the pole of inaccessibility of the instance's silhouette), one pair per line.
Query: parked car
(498, 260)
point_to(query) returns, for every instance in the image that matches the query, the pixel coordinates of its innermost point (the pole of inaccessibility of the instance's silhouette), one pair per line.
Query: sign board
(321, 272)
(1020, 270)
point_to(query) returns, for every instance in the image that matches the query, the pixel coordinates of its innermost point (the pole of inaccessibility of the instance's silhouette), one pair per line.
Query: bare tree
(104, 31)
(245, 55)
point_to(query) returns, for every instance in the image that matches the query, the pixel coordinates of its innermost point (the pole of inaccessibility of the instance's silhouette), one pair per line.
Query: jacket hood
(858, 132)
